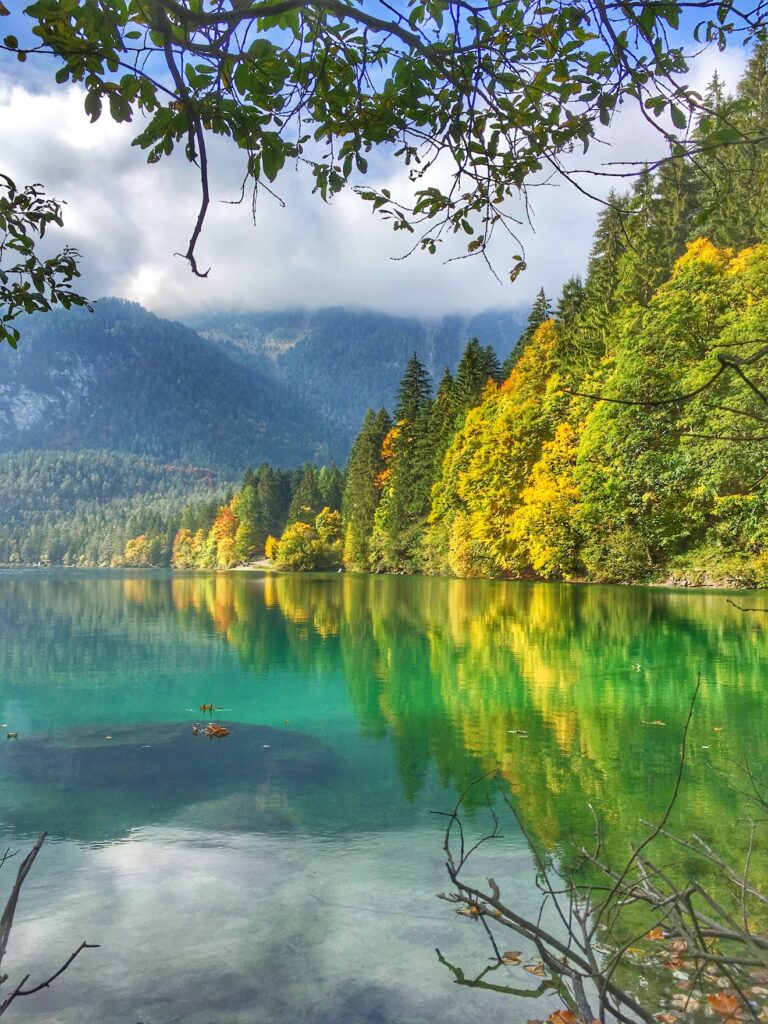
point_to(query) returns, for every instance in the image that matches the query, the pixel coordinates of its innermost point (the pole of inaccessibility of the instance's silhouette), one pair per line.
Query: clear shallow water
(289, 871)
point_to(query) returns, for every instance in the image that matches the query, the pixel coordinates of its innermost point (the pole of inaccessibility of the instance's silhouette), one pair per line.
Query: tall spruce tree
(331, 484)
(541, 311)
(362, 489)
(251, 532)
(603, 270)
(306, 500)
(443, 418)
(476, 367)
(571, 303)
(274, 495)
(402, 513)
(638, 272)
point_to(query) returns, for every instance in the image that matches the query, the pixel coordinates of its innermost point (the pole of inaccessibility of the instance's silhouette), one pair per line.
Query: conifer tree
(589, 335)
(306, 500)
(363, 488)
(331, 483)
(639, 270)
(251, 532)
(443, 418)
(274, 495)
(475, 368)
(414, 391)
(541, 311)
(404, 507)
(571, 303)
(728, 177)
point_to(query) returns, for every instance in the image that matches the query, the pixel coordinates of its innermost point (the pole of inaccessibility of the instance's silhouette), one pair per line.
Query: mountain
(122, 379)
(285, 387)
(342, 362)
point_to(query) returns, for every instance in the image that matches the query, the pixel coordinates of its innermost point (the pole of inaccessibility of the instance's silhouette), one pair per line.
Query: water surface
(289, 871)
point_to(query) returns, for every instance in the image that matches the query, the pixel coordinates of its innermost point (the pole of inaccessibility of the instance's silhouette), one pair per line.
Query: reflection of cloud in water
(155, 772)
(229, 931)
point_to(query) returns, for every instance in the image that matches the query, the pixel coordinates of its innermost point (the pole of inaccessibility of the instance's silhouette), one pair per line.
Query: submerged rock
(104, 781)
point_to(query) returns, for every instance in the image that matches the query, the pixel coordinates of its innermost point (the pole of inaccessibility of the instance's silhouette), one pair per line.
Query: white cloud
(129, 219)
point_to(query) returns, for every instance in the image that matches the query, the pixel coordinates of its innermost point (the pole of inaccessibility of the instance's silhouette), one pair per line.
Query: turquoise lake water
(288, 872)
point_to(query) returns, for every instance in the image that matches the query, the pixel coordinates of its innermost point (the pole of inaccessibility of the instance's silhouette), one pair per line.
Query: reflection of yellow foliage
(454, 670)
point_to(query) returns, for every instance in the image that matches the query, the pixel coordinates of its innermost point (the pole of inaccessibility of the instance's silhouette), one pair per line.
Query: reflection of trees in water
(129, 621)
(448, 667)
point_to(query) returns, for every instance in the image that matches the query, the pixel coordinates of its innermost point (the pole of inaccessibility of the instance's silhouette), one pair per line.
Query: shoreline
(691, 581)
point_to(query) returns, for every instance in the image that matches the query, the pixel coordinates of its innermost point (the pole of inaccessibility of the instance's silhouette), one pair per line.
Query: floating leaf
(563, 1017)
(537, 969)
(655, 934)
(656, 721)
(666, 1018)
(512, 957)
(726, 1004)
(636, 951)
(684, 1002)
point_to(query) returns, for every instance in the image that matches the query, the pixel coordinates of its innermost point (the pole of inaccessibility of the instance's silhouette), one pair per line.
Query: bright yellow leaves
(703, 254)
(486, 470)
(546, 526)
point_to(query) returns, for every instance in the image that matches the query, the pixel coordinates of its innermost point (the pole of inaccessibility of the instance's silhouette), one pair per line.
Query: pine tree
(362, 489)
(251, 530)
(404, 507)
(331, 483)
(728, 178)
(639, 272)
(306, 500)
(570, 304)
(274, 496)
(443, 418)
(541, 311)
(471, 378)
(414, 391)
(589, 334)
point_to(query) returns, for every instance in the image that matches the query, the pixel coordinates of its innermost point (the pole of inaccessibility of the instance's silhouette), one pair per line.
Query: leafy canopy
(487, 94)
(29, 284)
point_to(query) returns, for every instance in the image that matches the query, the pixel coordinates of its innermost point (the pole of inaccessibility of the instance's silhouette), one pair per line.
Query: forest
(624, 440)
(610, 445)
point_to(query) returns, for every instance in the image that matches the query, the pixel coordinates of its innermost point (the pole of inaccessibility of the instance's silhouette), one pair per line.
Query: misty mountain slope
(342, 362)
(125, 380)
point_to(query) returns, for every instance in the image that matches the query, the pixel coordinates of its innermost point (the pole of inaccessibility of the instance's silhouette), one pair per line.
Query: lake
(289, 871)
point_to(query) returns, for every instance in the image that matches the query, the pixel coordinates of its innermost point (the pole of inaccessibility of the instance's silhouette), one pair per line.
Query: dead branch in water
(582, 955)
(6, 924)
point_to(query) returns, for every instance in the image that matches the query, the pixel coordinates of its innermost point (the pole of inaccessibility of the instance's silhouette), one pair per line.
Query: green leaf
(679, 117)
(93, 105)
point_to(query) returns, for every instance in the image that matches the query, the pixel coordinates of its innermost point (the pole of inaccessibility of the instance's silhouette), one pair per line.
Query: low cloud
(129, 219)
